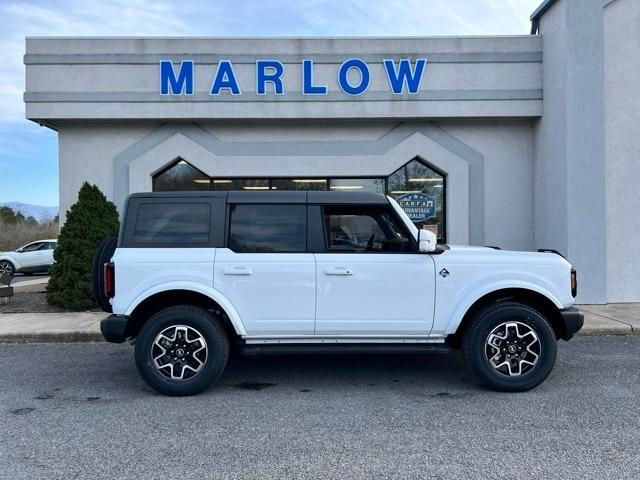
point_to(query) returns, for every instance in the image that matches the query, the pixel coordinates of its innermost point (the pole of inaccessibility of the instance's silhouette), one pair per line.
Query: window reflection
(355, 184)
(421, 192)
(299, 184)
(419, 188)
(180, 176)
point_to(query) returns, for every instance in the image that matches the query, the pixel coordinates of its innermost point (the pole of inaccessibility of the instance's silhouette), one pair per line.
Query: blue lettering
(169, 84)
(404, 74)
(225, 79)
(343, 76)
(274, 76)
(308, 88)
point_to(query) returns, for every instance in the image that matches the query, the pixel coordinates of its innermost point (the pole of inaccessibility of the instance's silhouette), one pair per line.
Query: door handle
(338, 271)
(237, 271)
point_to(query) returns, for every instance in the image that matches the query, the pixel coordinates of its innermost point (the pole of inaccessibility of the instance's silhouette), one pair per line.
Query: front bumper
(114, 328)
(572, 322)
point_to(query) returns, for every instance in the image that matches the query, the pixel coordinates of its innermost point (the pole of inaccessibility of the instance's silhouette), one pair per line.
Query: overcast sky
(28, 152)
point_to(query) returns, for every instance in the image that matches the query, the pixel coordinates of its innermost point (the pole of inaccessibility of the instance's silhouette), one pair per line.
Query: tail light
(109, 279)
(574, 282)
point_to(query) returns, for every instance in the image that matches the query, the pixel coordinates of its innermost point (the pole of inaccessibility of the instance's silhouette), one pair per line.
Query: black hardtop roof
(310, 197)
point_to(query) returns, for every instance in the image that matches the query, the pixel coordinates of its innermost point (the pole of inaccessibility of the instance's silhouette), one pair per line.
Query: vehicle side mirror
(427, 241)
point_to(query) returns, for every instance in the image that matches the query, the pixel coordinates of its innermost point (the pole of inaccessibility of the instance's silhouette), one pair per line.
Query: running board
(340, 348)
(342, 339)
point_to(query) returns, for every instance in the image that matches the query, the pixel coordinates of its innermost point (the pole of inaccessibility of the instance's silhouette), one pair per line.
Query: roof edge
(537, 13)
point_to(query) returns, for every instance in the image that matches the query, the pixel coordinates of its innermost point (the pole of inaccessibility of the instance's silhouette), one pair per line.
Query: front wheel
(510, 347)
(7, 268)
(181, 350)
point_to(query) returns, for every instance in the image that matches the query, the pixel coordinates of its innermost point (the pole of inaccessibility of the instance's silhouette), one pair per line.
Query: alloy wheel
(6, 268)
(179, 352)
(512, 348)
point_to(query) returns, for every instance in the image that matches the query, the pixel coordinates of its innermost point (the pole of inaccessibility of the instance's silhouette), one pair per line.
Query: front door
(265, 271)
(32, 255)
(371, 280)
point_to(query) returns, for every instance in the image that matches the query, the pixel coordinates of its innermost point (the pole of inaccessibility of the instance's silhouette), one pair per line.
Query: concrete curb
(52, 337)
(51, 327)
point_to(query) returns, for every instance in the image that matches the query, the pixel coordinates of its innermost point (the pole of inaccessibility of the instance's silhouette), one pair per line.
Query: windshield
(405, 218)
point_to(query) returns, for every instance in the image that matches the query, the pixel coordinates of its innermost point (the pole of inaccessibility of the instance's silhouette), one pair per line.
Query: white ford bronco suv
(194, 275)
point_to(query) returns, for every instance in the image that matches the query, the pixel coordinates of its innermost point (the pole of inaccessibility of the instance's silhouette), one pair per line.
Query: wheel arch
(158, 299)
(545, 304)
(10, 260)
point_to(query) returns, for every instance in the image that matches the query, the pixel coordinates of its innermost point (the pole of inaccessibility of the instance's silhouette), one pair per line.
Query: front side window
(268, 228)
(172, 223)
(350, 229)
(33, 247)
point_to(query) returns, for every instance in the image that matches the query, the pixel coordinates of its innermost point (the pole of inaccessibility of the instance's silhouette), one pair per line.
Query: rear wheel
(181, 350)
(510, 347)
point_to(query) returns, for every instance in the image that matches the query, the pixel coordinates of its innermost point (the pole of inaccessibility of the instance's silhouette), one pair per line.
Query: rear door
(265, 270)
(371, 280)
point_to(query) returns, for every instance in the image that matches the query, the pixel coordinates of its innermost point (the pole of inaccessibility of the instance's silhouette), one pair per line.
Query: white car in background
(34, 257)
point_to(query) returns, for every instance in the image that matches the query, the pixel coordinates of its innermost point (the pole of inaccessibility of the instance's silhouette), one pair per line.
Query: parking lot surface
(81, 411)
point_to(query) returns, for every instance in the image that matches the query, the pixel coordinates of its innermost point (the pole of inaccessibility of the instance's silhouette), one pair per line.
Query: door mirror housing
(427, 241)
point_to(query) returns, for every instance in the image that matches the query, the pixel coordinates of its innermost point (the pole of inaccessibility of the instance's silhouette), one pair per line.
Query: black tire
(491, 319)
(103, 255)
(202, 322)
(7, 267)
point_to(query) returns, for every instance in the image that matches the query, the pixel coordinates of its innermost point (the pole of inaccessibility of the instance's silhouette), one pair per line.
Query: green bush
(91, 219)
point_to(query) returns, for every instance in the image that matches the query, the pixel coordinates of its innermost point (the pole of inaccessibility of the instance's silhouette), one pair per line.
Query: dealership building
(521, 142)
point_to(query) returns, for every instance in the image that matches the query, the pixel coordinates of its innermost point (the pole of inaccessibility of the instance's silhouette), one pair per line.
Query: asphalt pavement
(81, 411)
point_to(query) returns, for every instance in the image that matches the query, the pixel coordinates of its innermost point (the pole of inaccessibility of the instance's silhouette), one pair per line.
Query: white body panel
(274, 293)
(358, 294)
(140, 271)
(30, 259)
(474, 272)
(318, 297)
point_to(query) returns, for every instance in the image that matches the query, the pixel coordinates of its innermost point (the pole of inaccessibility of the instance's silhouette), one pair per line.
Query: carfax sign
(418, 206)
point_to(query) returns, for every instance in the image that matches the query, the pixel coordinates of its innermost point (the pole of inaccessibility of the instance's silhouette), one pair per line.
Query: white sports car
(31, 258)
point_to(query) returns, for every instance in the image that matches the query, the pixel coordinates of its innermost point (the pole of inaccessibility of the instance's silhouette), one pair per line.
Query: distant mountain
(38, 212)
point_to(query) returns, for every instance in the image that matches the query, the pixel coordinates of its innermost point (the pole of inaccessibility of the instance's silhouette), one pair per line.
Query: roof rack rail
(551, 250)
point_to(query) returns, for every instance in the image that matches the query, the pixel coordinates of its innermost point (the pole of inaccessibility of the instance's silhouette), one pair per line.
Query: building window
(299, 184)
(225, 184)
(355, 184)
(182, 176)
(419, 188)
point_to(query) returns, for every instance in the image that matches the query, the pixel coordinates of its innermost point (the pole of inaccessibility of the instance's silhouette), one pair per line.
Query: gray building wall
(622, 148)
(585, 184)
(489, 160)
(522, 173)
(108, 78)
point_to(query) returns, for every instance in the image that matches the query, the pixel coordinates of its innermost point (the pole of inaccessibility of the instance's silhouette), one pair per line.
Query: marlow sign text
(403, 77)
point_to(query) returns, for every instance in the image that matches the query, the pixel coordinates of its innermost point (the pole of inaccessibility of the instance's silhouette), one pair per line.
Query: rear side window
(172, 223)
(268, 228)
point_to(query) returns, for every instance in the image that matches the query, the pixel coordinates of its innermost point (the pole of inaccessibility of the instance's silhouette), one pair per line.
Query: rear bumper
(572, 322)
(114, 328)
